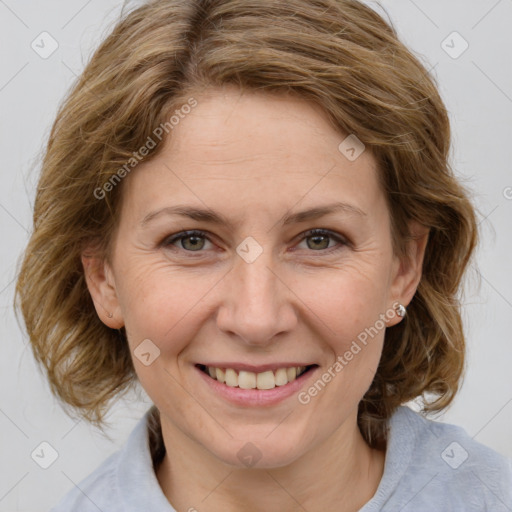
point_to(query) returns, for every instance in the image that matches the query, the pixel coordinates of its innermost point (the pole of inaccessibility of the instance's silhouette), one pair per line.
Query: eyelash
(307, 234)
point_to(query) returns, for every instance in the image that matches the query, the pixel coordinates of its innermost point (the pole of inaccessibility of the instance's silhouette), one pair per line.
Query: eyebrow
(209, 215)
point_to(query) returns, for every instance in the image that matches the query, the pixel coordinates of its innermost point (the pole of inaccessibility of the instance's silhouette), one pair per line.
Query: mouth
(266, 378)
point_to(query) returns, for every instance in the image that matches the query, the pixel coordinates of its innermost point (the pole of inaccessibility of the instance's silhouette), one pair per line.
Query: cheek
(351, 315)
(345, 301)
(162, 304)
(350, 308)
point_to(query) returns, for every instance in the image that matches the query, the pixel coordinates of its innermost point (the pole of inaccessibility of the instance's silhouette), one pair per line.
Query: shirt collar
(136, 479)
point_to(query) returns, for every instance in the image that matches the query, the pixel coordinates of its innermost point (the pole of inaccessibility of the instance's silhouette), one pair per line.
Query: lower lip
(257, 397)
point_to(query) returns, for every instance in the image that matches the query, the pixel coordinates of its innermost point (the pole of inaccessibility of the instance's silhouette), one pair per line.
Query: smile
(244, 379)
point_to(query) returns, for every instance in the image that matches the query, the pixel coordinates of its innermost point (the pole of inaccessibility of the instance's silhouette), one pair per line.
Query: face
(289, 265)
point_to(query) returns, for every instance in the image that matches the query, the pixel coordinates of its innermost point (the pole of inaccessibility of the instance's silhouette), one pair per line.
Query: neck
(342, 473)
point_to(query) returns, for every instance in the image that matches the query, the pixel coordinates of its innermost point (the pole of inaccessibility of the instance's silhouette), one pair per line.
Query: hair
(341, 55)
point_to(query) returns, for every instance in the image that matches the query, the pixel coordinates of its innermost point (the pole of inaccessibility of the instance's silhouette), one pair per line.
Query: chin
(260, 451)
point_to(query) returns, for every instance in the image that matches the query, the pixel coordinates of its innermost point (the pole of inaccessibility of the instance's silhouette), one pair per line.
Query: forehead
(252, 150)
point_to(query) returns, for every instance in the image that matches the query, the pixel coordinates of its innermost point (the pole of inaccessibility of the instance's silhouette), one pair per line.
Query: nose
(256, 303)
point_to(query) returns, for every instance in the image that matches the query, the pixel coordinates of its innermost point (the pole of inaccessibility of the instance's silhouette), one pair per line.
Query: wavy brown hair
(340, 54)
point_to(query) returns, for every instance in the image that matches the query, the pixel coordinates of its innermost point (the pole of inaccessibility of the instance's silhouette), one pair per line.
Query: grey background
(477, 88)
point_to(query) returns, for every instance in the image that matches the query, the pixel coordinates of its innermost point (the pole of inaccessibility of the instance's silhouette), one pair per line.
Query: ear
(101, 285)
(407, 270)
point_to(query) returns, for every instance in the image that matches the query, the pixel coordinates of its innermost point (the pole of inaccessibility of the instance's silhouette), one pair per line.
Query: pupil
(195, 241)
(316, 238)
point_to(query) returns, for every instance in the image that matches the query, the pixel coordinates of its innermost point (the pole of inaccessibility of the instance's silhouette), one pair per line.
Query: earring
(400, 310)
(110, 315)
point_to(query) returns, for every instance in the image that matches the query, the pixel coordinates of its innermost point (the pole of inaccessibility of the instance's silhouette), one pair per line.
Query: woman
(247, 208)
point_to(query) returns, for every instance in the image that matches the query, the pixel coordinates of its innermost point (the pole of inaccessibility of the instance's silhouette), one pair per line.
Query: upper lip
(256, 368)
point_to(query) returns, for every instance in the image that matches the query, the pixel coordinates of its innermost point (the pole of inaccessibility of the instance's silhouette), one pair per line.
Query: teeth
(247, 380)
(219, 375)
(281, 377)
(291, 373)
(265, 380)
(231, 378)
(251, 380)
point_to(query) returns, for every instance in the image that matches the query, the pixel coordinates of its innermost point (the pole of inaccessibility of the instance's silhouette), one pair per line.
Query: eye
(191, 241)
(319, 240)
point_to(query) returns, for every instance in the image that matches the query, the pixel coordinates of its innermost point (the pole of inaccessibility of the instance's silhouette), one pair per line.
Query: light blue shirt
(430, 466)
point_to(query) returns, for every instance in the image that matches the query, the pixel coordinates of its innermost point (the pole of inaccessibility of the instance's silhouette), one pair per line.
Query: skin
(255, 157)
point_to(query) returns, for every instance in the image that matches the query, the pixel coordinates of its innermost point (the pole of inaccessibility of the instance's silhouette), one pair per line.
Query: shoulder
(97, 491)
(450, 444)
(439, 466)
(124, 482)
